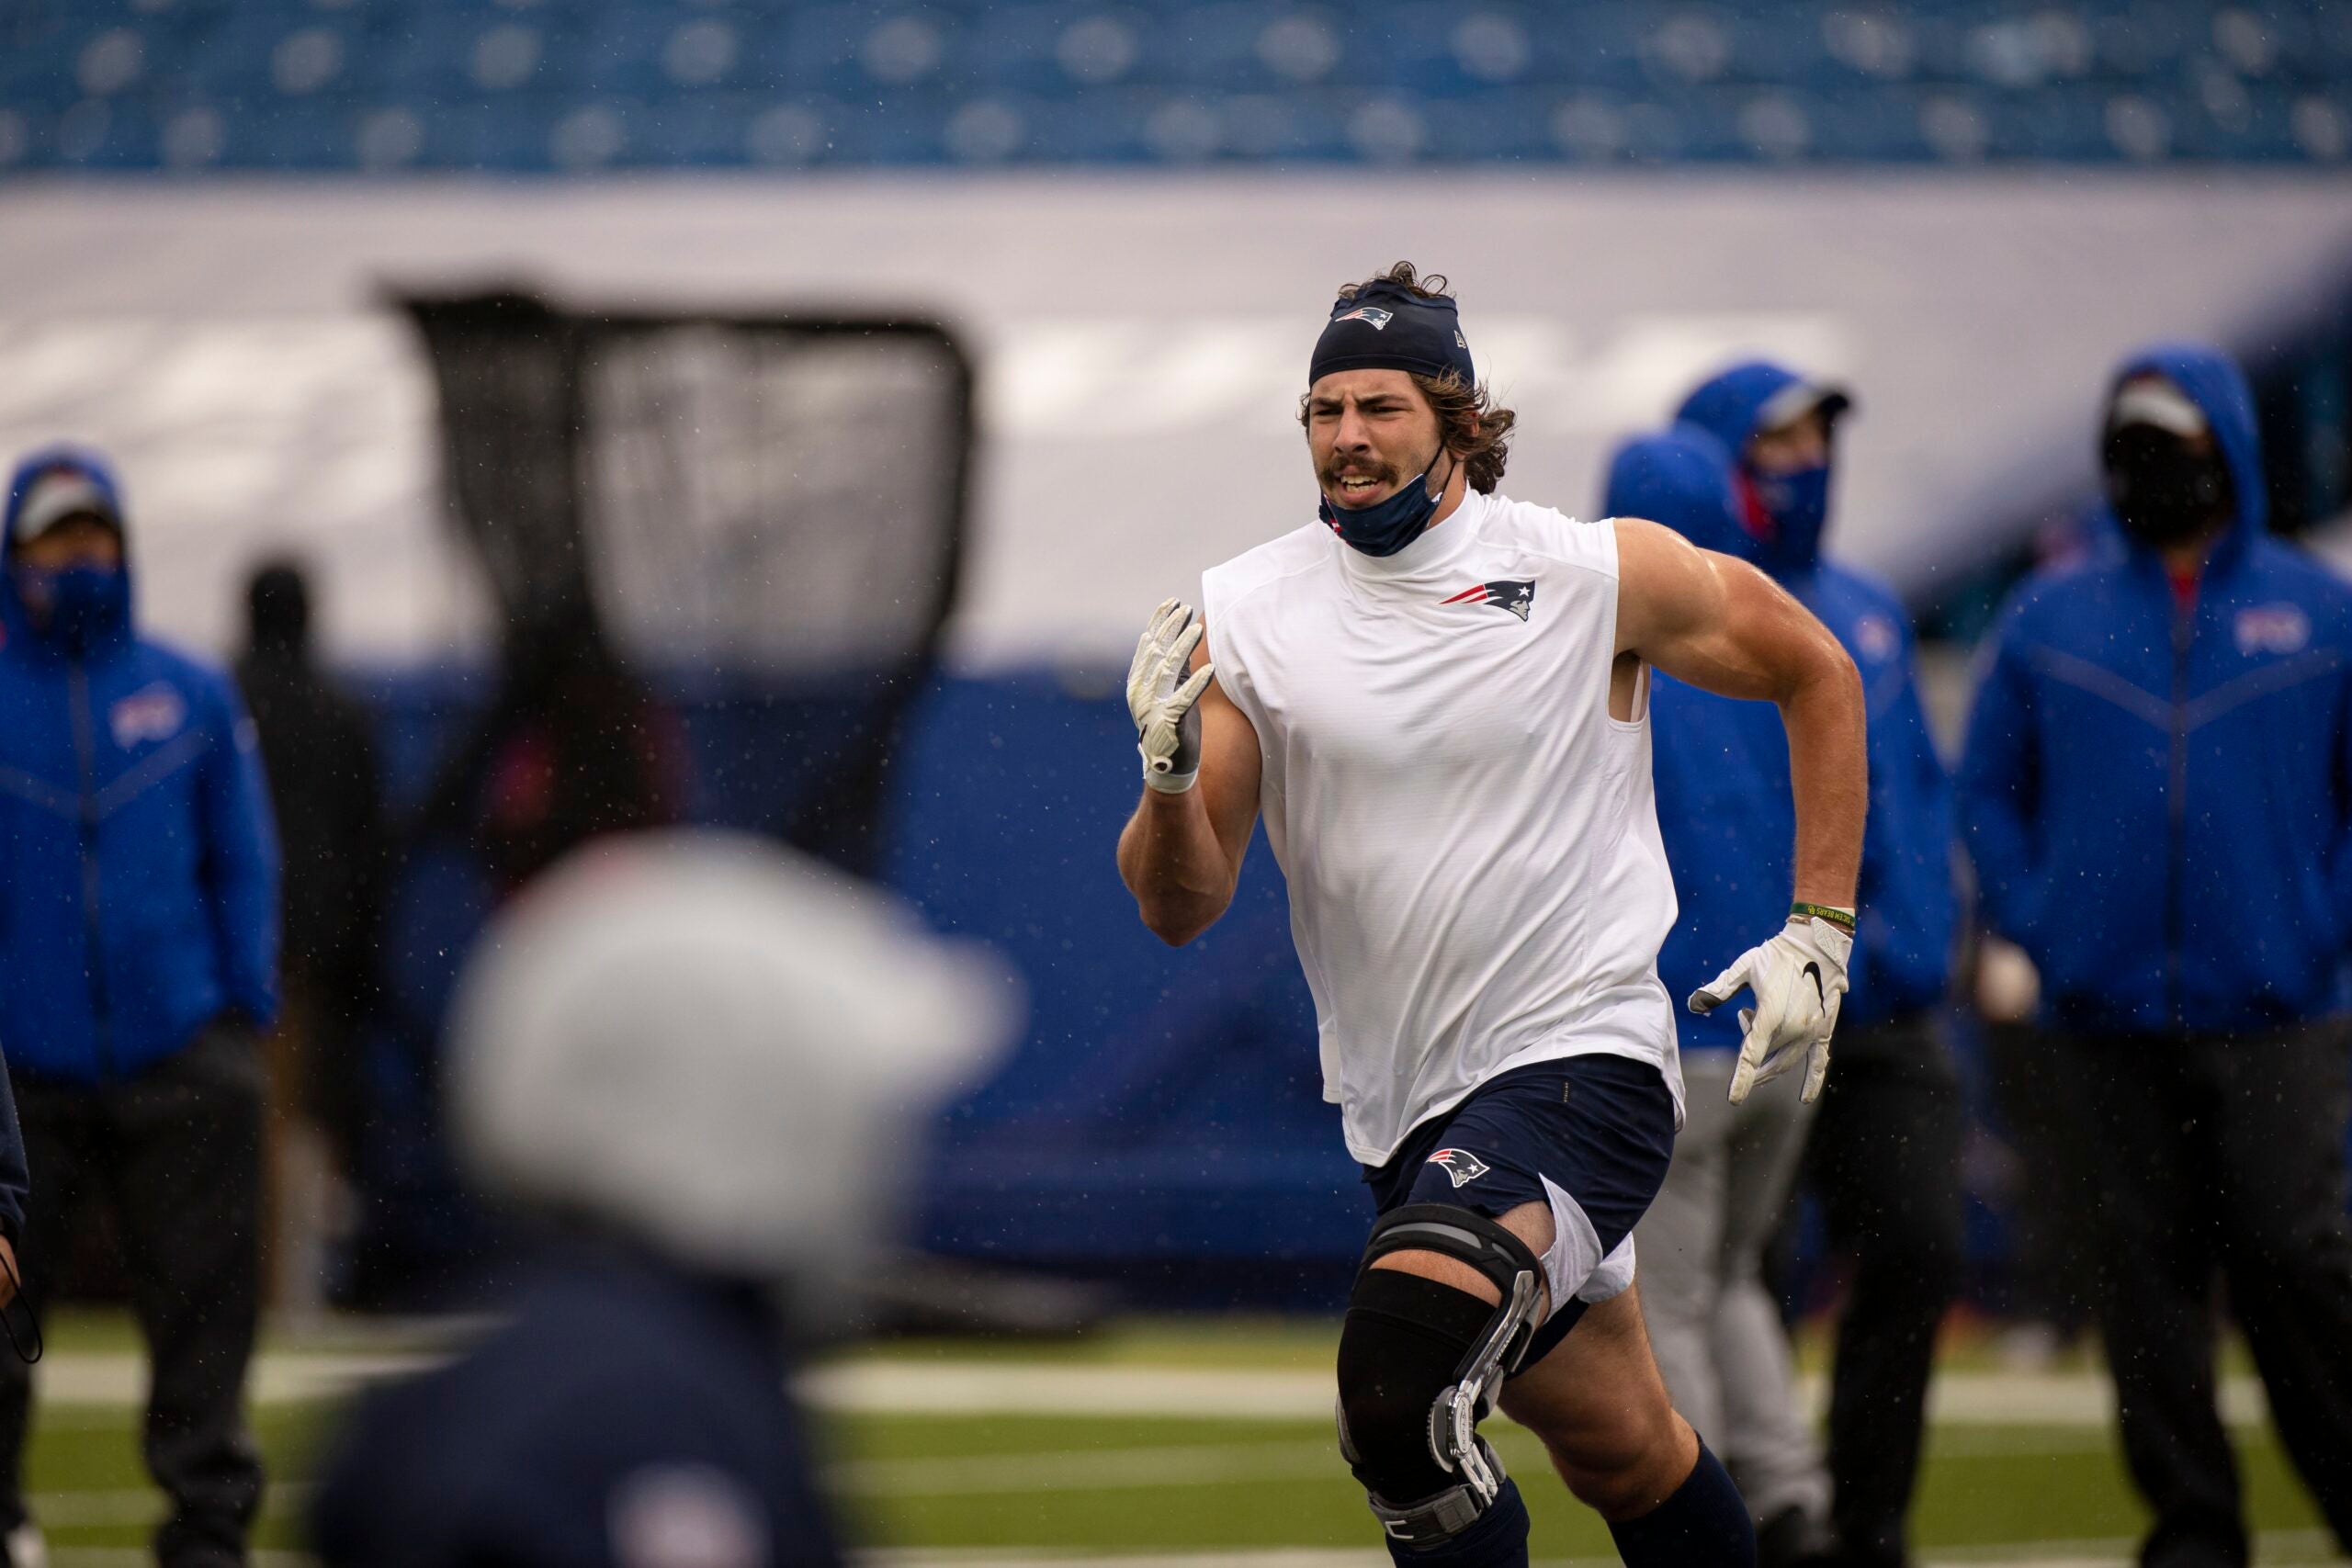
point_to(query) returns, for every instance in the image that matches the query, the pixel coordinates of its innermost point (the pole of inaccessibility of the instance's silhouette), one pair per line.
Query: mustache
(1377, 472)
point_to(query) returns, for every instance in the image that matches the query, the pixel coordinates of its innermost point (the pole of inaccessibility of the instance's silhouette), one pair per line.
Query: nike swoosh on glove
(1798, 978)
(1159, 698)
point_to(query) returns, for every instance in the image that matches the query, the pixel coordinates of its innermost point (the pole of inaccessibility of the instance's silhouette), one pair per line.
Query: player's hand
(1160, 699)
(1798, 978)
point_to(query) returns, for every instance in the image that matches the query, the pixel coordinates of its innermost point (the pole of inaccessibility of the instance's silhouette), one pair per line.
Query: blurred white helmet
(717, 1046)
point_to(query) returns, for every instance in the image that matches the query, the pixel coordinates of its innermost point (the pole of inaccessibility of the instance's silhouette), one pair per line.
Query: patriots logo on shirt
(1461, 1164)
(1372, 313)
(1514, 594)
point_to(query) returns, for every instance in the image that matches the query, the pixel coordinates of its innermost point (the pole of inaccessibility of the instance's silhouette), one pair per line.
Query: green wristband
(1842, 919)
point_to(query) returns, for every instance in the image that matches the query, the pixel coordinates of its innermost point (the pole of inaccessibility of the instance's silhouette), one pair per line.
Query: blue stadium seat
(1512, 125)
(2069, 125)
(1108, 125)
(306, 135)
(37, 63)
(2141, 40)
(1600, 45)
(2257, 126)
(1060, 49)
(1779, 45)
(709, 129)
(853, 50)
(496, 84)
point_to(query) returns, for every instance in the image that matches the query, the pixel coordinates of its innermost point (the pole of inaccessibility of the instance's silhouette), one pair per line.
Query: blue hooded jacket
(137, 865)
(1908, 915)
(2158, 795)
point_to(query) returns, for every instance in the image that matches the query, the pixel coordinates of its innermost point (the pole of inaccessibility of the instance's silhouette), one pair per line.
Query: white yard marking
(1079, 1469)
(894, 1386)
(2274, 1546)
(941, 1388)
(119, 1377)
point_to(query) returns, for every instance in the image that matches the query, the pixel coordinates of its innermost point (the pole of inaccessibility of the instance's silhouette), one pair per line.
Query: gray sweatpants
(1712, 1325)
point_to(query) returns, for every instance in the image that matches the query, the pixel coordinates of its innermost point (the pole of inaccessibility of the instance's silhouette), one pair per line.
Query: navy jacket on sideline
(1726, 808)
(623, 1399)
(2158, 799)
(138, 867)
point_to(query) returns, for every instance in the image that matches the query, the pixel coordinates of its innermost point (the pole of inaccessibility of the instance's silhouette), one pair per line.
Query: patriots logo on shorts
(1372, 313)
(1461, 1164)
(1514, 594)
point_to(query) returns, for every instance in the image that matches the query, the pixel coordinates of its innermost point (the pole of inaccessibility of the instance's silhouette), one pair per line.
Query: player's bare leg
(1604, 1416)
(1607, 1423)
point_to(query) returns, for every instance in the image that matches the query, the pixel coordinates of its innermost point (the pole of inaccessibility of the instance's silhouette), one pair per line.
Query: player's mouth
(1351, 487)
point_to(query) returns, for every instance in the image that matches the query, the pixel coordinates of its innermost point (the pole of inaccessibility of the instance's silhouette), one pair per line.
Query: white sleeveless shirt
(1476, 881)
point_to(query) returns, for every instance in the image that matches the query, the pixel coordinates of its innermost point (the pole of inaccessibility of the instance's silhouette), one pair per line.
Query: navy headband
(1386, 326)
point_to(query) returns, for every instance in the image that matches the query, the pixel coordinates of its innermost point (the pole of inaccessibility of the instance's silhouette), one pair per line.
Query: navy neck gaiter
(1386, 527)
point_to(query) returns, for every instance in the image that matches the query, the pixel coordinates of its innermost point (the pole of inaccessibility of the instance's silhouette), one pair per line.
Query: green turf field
(1203, 1439)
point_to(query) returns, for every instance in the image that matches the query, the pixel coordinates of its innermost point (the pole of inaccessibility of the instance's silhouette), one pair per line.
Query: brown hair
(1469, 424)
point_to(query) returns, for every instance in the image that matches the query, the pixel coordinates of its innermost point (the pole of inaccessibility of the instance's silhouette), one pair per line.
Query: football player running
(1437, 698)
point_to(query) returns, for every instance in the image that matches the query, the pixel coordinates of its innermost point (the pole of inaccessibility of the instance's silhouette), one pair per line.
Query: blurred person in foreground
(326, 794)
(1728, 819)
(1883, 1154)
(2157, 792)
(1437, 698)
(138, 963)
(701, 1061)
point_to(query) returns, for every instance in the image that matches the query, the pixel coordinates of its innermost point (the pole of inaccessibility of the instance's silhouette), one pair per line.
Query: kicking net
(759, 515)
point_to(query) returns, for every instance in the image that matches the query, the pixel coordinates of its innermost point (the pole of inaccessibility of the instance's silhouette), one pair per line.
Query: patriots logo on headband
(1372, 313)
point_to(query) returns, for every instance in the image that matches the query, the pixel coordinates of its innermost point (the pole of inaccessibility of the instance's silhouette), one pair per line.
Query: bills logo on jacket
(151, 713)
(1461, 1164)
(2273, 628)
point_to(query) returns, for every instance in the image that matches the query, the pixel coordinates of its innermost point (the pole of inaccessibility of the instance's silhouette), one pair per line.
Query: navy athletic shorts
(1599, 1128)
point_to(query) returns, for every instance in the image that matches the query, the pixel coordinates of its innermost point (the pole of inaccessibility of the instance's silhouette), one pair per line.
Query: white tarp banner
(1142, 341)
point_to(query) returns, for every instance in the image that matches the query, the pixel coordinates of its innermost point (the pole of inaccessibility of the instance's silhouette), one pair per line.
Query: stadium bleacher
(542, 86)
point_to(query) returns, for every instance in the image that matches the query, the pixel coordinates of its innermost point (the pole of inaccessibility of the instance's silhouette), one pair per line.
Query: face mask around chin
(2163, 492)
(1385, 526)
(75, 604)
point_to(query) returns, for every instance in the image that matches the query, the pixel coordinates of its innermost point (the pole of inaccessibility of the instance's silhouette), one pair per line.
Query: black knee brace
(1419, 1366)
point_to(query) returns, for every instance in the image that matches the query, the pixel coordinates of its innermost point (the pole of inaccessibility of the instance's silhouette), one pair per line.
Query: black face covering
(2164, 492)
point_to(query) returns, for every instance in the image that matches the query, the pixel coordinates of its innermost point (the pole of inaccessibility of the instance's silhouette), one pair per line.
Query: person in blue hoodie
(1884, 1152)
(138, 950)
(1729, 817)
(2157, 794)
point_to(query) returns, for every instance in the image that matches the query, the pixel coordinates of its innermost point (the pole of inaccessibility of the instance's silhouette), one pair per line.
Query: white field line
(139, 1506)
(1232, 1464)
(999, 1387)
(939, 1388)
(1072, 1469)
(2273, 1546)
(119, 1377)
(1079, 1469)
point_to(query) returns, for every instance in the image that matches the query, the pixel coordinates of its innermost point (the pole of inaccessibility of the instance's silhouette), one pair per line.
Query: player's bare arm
(1180, 853)
(1724, 627)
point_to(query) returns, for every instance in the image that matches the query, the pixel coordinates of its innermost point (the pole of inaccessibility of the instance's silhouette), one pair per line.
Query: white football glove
(1159, 698)
(1799, 977)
